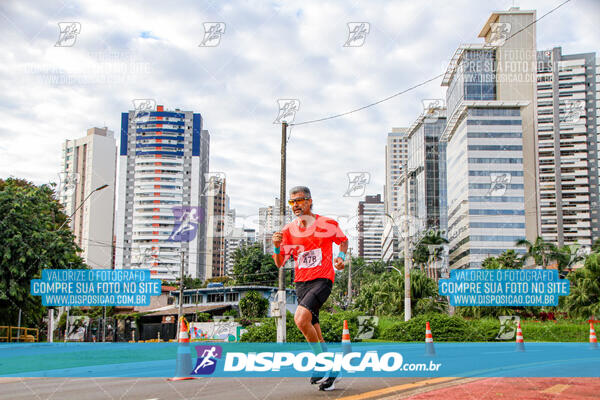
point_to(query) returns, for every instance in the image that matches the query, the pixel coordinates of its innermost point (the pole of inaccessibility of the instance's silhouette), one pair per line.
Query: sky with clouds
(269, 51)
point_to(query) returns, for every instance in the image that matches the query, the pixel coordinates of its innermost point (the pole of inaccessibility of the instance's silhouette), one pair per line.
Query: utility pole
(67, 324)
(50, 325)
(180, 311)
(19, 327)
(349, 277)
(407, 260)
(281, 334)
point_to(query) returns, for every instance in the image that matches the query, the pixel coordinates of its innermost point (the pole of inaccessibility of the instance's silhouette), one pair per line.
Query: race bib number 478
(310, 259)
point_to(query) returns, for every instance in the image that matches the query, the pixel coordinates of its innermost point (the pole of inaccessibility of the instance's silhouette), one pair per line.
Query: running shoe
(328, 384)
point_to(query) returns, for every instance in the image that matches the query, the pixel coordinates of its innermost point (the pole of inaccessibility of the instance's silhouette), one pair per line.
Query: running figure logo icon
(207, 359)
(186, 223)
(212, 34)
(357, 33)
(357, 183)
(67, 35)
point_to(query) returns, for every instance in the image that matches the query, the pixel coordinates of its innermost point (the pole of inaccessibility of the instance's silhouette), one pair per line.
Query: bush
(231, 313)
(203, 317)
(254, 305)
(331, 327)
(444, 328)
(555, 331)
(267, 331)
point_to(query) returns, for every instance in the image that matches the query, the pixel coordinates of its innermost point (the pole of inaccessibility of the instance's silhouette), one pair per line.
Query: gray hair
(300, 189)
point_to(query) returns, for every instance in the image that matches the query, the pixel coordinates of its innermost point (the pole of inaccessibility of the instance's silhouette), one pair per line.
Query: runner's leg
(303, 318)
(319, 333)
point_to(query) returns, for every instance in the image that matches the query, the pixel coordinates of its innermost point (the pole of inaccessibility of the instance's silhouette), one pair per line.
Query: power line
(419, 84)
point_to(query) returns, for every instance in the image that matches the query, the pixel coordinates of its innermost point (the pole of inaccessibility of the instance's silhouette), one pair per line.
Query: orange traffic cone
(346, 346)
(429, 349)
(520, 342)
(183, 367)
(593, 340)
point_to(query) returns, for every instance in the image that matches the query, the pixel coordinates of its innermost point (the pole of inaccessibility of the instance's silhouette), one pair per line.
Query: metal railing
(16, 334)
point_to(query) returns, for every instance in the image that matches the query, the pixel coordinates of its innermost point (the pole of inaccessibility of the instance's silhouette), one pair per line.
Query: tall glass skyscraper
(490, 134)
(426, 166)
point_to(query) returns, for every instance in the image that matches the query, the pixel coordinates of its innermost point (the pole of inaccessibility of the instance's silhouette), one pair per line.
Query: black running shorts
(313, 294)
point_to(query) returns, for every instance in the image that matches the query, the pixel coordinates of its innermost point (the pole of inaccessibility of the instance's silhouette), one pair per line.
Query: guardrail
(16, 334)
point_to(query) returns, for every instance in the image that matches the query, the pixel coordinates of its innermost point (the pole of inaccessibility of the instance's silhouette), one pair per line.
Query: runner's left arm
(342, 241)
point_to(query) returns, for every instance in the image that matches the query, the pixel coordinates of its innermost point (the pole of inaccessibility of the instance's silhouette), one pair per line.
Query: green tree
(29, 242)
(541, 251)
(253, 267)
(596, 246)
(567, 256)
(384, 295)
(509, 259)
(584, 298)
(254, 305)
(428, 251)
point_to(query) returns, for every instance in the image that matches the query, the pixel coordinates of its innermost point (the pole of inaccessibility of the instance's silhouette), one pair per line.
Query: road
(203, 388)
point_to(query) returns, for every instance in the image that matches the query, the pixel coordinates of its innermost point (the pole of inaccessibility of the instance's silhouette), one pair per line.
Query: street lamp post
(81, 204)
(407, 260)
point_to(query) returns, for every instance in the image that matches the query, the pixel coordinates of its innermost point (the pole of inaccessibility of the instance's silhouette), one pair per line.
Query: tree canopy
(253, 267)
(29, 242)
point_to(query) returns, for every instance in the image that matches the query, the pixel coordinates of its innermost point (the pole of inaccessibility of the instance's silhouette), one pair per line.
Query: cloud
(269, 51)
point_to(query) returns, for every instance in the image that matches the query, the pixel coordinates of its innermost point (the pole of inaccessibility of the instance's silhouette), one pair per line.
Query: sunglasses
(291, 202)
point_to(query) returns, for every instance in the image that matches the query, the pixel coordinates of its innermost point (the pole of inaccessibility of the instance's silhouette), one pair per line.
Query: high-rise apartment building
(269, 222)
(238, 238)
(567, 111)
(87, 164)
(371, 215)
(396, 155)
(216, 200)
(161, 210)
(490, 135)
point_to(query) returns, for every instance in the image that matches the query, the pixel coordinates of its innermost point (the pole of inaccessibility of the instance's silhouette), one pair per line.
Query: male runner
(308, 240)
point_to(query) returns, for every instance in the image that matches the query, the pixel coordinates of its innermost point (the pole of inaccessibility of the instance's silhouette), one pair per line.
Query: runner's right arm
(278, 258)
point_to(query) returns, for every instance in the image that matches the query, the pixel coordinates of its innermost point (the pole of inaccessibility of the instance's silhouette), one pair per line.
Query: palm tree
(567, 256)
(541, 251)
(420, 256)
(433, 240)
(596, 246)
(384, 295)
(584, 299)
(509, 259)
